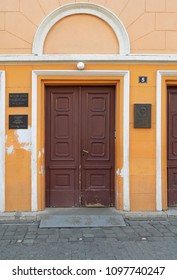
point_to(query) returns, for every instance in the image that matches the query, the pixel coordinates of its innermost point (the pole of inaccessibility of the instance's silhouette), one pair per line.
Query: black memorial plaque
(142, 115)
(18, 99)
(18, 121)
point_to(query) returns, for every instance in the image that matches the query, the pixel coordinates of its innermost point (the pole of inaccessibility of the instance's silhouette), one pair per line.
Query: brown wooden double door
(79, 146)
(172, 146)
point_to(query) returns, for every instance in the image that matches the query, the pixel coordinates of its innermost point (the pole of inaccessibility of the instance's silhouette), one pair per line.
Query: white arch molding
(82, 8)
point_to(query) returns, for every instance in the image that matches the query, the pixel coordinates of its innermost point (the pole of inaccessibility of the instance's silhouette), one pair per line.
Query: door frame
(164, 79)
(121, 80)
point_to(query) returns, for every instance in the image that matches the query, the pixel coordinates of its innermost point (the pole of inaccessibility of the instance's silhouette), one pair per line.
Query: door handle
(85, 151)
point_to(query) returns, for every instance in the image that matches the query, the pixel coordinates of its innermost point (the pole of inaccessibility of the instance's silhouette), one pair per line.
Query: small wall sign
(18, 121)
(142, 79)
(142, 115)
(18, 99)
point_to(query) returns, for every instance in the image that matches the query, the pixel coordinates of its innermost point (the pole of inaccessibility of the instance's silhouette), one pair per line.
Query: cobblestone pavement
(139, 239)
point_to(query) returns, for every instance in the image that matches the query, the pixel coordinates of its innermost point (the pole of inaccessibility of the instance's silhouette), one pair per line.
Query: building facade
(88, 104)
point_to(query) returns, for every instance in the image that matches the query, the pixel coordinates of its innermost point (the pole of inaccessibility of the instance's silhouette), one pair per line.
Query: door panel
(79, 146)
(172, 146)
(62, 154)
(97, 139)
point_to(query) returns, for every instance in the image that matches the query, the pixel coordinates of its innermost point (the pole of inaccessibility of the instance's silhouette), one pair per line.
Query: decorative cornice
(92, 58)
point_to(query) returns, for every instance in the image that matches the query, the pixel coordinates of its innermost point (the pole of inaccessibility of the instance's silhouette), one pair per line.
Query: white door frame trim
(91, 73)
(2, 141)
(160, 74)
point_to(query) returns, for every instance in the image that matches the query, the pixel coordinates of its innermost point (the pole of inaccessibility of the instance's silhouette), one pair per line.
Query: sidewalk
(145, 236)
(36, 216)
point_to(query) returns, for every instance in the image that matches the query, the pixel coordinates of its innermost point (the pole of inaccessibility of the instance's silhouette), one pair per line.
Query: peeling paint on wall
(10, 150)
(42, 170)
(27, 147)
(24, 137)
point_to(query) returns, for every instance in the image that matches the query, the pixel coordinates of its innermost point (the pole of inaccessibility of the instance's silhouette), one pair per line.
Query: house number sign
(142, 79)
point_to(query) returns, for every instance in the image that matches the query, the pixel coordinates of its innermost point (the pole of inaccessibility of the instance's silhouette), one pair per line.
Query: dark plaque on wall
(142, 79)
(18, 99)
(18, 121)
(142, 115)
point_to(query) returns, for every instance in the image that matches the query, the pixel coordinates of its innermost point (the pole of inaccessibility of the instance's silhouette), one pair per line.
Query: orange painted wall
(78, 34)
(18, 147)
(152, 28)
(142, 141)
(151, 24)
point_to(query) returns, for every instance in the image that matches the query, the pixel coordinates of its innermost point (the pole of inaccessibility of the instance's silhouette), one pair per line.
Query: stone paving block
(137, 228)
(65, 231)
(64, 238)
(173, 220)
(78, 257)
(43, 231)
(3, 224)
(110, 235)
(53, 236)
(18, 236)
(42, 236)
(173, 229)
(119, 235)
(87, 230)
(169, 234)
(40, 240)
(98, 233)
(73, 239)
(155, 233)
(155, 238)
(9, 233)
(145, 234)
(127, 229)
(122, 238)
(52, 240)
(134, 236)
(111, 239)
(88, 237)
(5, 242)
(22, 228)
(28, 241)
(32, 228)
(30, 236)
(147, 226)
(6, 237)
(65, 234)
(16, 241)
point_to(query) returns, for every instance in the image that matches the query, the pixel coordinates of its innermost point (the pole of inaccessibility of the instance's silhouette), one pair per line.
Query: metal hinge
(114, 134)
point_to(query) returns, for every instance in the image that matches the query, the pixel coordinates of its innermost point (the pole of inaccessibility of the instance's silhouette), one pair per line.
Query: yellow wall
(18, 183)
(142, 141)
(152, 29)
(79, 34)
